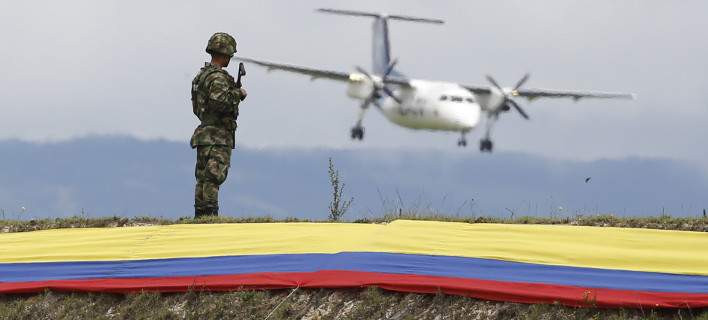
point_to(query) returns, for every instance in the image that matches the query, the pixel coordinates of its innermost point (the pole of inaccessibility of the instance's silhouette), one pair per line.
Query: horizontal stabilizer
(350, 13)
(377, 15)
(415, 19)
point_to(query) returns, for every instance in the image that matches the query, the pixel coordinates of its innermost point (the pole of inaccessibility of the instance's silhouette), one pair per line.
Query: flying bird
(587, 179)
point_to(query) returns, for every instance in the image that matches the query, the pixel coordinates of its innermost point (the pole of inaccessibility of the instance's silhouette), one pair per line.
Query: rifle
(241, 72)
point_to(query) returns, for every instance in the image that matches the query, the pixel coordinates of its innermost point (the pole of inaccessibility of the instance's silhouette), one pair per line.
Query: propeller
(508, 101)
(379, 86)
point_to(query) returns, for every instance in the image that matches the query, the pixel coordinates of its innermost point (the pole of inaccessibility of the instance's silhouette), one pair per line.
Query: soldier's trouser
(212, 167)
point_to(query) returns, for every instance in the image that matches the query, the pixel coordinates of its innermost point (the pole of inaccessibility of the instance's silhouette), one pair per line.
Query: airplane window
(443, 98)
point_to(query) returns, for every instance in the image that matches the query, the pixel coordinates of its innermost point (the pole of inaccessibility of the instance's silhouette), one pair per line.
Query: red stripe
(481, 289)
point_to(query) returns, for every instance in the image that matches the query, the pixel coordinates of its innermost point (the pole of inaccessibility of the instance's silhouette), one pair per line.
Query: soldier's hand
(243, 93)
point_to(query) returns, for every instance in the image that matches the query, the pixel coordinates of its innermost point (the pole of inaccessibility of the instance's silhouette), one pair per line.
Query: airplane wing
(532, 94)
(575, 95)
(313, 72)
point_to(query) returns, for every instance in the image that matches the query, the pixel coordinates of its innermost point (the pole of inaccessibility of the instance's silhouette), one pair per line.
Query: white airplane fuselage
(442, 106)
(423, 104)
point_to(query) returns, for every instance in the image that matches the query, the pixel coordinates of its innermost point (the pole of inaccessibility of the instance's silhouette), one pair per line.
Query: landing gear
(357, 133)
(462, 142)
(486, 145)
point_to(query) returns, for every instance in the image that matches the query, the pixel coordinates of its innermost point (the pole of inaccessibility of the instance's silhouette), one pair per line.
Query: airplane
(424, 104)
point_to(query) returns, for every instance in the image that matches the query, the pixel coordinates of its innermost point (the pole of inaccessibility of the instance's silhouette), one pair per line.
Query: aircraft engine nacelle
(496, 100)
(359, 87)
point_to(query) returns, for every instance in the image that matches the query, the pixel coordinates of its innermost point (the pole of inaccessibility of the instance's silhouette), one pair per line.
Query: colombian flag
(572, 265)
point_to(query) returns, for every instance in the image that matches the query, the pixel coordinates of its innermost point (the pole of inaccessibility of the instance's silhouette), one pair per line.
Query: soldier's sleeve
(221, 97)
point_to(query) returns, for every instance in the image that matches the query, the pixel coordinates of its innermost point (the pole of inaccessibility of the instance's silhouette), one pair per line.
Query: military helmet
(221, 43)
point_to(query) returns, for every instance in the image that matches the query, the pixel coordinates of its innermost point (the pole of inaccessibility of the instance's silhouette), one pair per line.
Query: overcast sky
(76, 68)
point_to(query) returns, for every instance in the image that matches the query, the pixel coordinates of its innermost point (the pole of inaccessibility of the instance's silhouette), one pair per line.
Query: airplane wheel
(357, 133)
(486, 145)
(462, 143)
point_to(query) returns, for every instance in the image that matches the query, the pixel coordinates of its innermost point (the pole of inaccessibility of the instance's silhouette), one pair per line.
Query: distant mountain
(123, 176)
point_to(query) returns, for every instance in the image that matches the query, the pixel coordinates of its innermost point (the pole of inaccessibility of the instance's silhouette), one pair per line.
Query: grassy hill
(364, 303)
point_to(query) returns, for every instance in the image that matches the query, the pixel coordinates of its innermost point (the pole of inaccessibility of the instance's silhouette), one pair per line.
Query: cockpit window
(470, 100)
(456, 99)
(443, 98)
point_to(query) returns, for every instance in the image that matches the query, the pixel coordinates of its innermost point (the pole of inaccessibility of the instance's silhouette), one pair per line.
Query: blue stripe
(443, 266)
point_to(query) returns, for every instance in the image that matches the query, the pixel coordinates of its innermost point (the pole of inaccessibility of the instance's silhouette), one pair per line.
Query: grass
(364, 303)
(663, 222)
(113, 222)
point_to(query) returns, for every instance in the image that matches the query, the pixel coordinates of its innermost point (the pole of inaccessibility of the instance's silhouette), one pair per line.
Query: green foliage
(337, 206)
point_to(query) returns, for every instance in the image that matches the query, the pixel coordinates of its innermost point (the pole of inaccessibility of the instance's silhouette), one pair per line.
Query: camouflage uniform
(215, 101)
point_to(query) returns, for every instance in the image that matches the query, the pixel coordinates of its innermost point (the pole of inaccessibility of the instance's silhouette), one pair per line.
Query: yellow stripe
(609, 248)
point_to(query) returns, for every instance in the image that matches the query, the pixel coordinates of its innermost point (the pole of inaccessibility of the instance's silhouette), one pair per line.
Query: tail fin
(381, 49)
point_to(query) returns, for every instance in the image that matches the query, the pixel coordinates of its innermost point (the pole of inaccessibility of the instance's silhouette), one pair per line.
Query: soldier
(215, 100)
